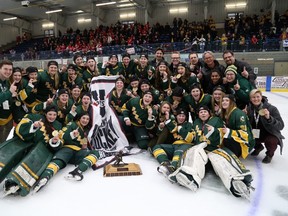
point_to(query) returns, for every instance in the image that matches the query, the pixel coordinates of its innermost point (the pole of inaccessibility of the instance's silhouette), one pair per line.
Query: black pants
(233, 146)
(5, 130)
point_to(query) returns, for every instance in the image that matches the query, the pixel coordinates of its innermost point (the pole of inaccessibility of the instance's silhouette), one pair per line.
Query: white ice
(151, 193)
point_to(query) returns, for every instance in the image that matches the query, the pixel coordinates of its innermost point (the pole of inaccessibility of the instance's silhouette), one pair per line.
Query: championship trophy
(120, 168)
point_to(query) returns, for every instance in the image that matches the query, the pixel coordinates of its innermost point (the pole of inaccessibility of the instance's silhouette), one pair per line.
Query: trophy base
(127, 169)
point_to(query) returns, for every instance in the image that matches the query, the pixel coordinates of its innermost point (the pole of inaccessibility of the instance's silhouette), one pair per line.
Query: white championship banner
(106, 133)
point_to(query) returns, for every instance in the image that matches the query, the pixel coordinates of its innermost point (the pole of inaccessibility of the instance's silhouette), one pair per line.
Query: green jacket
(183, 134)
(240, 130)
(117, 102)
(5, 102)
(213, 139)
(48, 86)
(194, 105)
(135, 111)
(241, 95)
(75, 143)
(25, 130)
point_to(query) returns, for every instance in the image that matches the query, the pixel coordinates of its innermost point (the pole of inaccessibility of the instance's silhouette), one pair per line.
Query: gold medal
(118, 109)
(261, 112)
(178, 76)
(84, 141)
(55, 133)
(17, 103)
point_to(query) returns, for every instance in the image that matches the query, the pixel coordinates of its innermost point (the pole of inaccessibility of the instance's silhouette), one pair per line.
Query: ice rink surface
(151, 194)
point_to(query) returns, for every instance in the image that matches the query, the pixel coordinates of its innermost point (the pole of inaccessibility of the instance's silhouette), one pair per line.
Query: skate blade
(72, 178)
(40, 185)
(184, 181)
(11, 190)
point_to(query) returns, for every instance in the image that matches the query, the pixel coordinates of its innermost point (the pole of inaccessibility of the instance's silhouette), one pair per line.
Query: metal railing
(215, 46)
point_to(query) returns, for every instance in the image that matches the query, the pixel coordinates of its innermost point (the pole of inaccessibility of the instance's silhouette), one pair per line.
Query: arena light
(107, 3)
(53, 11)
(11, 18)
(82, 20)
(79, 11)
(236, 5)
(47, 25)
(126, 5)
(127, 15)
(265, 59)
(178, 10)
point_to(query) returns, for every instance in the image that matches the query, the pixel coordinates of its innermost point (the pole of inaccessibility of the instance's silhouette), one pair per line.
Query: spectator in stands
(224, 42)
(6, 93)
(159, 55)
(243, 68)
(267, 123)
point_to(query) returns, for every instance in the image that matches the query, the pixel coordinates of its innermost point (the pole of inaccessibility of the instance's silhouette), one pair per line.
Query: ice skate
(41, 183)
(76, 175)
(241, 189)
(10, 188)
(166, 169)
(187, 181)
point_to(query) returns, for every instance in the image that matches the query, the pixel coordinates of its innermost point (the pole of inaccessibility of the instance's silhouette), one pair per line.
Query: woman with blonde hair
(267, 123)
(216, 100)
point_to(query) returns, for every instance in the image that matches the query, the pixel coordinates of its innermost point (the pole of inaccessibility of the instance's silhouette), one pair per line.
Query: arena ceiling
(36, 9)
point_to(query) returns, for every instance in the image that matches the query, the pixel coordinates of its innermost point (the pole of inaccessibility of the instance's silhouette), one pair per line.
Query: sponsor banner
(278, 82)
(261, 82)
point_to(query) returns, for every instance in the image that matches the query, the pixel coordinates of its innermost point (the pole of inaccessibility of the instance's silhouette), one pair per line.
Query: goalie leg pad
(226, 165)
(192, 170)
